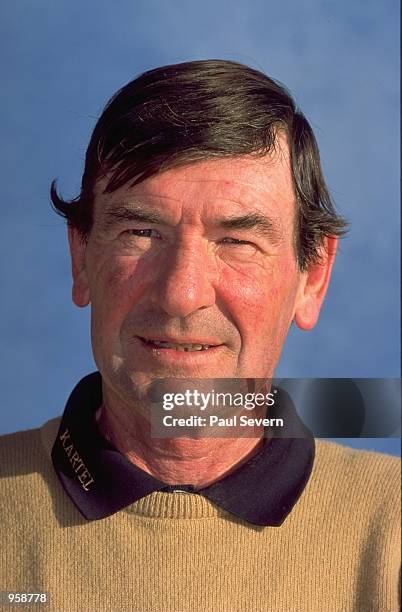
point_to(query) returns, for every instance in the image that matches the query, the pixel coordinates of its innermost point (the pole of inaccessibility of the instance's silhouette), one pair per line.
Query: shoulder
(350, 463)
(25, 461)
(16, 448)
(367, 481)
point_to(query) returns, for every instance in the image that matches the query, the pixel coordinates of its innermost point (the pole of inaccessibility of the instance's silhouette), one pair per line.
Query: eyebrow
(133, 213)
(261, 224)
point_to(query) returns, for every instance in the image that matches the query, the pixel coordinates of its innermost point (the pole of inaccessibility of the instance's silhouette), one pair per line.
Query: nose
(184, 284)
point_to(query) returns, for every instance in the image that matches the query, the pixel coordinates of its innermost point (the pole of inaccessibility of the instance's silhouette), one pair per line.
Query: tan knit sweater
(338, 550)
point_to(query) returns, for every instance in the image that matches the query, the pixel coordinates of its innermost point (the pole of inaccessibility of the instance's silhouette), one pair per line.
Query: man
(202, 231)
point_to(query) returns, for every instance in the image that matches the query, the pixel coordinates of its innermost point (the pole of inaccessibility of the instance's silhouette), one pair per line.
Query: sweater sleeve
(384, 540)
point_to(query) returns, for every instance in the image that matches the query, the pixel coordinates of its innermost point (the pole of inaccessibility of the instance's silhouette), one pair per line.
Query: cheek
(262, 303)
(118, 285)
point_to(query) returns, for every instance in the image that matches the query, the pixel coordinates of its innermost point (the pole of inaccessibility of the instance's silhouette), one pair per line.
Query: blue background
(61, 61)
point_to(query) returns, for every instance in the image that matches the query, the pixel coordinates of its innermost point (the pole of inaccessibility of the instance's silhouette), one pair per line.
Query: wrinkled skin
(182, 273)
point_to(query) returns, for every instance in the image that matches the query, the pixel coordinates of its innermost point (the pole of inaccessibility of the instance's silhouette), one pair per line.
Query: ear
(78, 246)
(314, 286)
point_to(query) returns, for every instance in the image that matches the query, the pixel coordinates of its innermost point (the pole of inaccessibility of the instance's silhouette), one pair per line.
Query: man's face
(199, 255)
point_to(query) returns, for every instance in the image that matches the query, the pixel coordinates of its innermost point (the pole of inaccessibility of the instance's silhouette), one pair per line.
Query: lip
(170, 356)
(212, 343)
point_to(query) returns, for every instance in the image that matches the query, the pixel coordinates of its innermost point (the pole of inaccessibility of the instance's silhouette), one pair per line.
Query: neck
(196, 461)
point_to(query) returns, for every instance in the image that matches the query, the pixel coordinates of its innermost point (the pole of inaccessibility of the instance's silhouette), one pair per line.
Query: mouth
(185, 347)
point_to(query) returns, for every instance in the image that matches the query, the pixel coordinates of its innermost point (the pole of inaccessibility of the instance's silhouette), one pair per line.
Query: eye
(235, 249)
(138, 240)
(236, 241)
(143, 233)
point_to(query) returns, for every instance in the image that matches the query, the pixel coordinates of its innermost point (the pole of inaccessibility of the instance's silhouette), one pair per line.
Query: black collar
(101, 481)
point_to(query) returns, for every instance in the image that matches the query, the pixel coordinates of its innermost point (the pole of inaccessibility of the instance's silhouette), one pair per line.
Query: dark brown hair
(183, 113)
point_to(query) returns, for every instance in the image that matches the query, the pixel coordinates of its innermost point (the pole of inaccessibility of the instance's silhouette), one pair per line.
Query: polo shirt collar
(100, 481)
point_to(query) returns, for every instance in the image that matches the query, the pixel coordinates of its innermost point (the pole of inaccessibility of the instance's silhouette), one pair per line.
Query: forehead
(263, 184)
